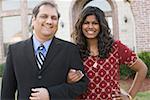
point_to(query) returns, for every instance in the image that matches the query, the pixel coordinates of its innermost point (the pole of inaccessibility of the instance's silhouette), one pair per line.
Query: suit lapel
(29, 53)
(52, 51)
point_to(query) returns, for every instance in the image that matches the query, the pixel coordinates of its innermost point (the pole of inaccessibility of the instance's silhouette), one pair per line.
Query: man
(38, 67)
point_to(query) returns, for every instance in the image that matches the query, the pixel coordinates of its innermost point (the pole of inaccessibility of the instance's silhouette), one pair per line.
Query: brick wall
(141, 12)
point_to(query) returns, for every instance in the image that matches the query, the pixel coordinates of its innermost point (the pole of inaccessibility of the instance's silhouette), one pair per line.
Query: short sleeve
(126, 55)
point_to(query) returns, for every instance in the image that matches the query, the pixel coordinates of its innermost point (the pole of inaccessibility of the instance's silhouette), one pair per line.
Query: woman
(102, 57)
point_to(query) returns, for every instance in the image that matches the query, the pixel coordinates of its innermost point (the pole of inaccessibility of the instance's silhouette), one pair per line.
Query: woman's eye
(95, 23)
(86, 23)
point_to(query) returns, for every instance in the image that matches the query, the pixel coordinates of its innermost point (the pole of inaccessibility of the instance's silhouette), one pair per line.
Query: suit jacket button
(39, 77)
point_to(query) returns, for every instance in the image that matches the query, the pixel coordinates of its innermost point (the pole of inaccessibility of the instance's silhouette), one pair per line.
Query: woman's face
(90, 27)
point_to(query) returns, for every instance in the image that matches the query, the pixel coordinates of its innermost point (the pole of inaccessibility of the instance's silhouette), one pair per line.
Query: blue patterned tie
(40, 56)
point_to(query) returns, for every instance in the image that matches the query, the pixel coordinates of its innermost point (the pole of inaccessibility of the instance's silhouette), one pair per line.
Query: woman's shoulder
(117, 43)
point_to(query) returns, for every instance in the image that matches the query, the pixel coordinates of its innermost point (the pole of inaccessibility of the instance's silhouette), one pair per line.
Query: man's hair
(35, 11)
(50, 3)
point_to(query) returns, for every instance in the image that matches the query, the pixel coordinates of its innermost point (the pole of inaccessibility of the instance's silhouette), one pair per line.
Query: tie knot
(41, 48)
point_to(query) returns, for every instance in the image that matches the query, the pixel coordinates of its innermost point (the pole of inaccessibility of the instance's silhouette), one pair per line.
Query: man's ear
(32, 22)
(33, 18)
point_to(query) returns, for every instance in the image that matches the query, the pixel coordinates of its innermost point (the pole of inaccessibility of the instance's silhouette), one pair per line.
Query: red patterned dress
(104, 74)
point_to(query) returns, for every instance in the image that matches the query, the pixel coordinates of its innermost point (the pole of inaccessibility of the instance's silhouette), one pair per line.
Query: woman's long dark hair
(105, 39)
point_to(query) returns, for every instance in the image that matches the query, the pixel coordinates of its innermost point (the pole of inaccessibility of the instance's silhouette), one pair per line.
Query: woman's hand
(123, 96)
(74, 76)
(120, 97)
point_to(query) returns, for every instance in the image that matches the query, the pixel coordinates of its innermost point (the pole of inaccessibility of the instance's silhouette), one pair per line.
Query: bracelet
(126, 93)
(130, 97)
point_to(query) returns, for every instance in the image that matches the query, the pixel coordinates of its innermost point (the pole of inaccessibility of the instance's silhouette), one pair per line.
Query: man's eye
(43, 16)
(54, 18)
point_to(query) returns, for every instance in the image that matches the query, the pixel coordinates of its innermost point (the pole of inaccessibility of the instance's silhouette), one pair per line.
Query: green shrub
(145, 57)
(1, 69)
(126, 72)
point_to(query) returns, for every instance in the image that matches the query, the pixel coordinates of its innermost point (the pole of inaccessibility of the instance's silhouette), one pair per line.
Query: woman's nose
(90, 26)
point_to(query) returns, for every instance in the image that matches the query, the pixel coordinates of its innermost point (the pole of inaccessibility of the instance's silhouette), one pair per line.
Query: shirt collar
(36, 44)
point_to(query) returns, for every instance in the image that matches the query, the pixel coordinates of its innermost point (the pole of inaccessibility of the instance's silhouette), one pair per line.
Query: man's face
(46, 22)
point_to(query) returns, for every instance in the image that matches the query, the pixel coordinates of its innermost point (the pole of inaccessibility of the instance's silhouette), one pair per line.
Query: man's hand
(74, 76)
(39, 94)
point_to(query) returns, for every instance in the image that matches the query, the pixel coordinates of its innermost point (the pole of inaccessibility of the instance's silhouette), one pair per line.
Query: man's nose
(49, 21)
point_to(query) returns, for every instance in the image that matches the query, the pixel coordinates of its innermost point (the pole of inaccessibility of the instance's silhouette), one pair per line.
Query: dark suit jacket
(22, 73)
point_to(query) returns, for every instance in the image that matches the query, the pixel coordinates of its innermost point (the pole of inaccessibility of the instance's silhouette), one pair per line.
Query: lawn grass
(143, 95)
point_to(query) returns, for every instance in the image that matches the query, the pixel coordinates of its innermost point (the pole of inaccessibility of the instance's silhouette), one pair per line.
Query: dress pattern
(104, 74)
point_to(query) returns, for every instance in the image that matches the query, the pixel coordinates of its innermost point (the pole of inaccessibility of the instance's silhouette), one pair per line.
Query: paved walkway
(0, 83)
(0, 87)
